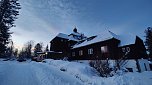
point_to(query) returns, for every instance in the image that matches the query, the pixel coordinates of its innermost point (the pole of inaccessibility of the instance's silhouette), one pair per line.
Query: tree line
(30, 49)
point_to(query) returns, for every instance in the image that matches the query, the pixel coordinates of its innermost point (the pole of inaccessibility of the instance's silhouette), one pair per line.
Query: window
(123, 50)
(90, 51)
(104, 49)
(128, 49)
(80, 52)
(73, 53)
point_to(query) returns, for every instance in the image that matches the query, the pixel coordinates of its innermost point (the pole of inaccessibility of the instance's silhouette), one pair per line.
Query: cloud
(41, 20)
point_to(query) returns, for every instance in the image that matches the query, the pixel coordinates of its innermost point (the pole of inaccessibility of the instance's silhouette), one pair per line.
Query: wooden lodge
(102, 48)
(76, 46)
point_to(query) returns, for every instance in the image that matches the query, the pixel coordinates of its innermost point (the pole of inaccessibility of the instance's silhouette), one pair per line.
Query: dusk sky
(42, 20)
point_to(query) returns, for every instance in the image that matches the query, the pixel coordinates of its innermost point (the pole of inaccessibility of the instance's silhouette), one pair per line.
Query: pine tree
(9, 9)
(47, 48)
(148, 41)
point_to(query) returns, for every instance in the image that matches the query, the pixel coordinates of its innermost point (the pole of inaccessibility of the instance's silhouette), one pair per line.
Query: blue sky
(42, 20)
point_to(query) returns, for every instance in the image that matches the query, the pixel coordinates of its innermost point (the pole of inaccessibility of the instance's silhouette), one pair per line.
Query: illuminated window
(90, 51)
(80, 52)
(104, 49)
(73, 53)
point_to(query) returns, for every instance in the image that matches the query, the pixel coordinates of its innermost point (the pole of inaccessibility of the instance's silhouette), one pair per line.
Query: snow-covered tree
(148, 41)
(9, 9)
(38, 48)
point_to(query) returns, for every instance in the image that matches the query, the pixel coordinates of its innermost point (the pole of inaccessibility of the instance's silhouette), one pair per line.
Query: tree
(28, 48)
(22, 53)
(16, 52)
(9, 9)
(47, 48)
(102, 66)
(148, 41)
(38, 48)
(10, 49)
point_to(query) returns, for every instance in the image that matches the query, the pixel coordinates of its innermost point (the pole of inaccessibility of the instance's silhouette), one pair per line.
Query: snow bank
(89, 76)
(58, 72)
(50, 75)
(81, 71)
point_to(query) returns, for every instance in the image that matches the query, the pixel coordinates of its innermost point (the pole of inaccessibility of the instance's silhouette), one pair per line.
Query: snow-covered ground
(58, 72)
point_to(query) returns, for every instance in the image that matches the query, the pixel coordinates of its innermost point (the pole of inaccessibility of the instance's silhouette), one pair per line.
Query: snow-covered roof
(76, 33)
(61, 35)
(124, 39)
(72, 38)
(65, 36)
(101, 37)
(53, 52)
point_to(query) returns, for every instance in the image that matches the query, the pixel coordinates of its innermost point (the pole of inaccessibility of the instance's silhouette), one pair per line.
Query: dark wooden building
(105, 46)
(110, 46)
(63, 43)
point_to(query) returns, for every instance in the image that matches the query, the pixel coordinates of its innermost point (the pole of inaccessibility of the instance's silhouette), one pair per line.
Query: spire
(75, 29)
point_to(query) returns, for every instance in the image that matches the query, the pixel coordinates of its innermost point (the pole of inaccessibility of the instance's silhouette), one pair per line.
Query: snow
(101, 37)
(125, 39)
(65, 36)
(12, 73)
(53, 52)
(33, 73)
(144, 64)
(59, 72)
(131, 64)
(77, 34)
(61, 35)
(72, 38)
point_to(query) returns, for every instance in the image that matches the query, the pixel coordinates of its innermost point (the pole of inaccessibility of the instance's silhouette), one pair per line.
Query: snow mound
(81, 71)
(89, 76)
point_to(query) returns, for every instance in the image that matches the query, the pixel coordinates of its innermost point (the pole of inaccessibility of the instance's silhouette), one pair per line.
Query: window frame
(80, 52)
(90, 51)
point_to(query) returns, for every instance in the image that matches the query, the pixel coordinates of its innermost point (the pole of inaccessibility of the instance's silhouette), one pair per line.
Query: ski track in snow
(17, 74)
(32, 73)
(55, 76)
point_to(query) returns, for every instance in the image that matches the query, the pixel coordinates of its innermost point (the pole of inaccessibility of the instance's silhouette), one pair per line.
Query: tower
(75, 30)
